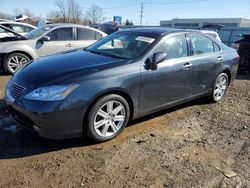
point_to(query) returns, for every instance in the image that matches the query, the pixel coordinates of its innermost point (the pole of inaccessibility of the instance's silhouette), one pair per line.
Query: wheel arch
(122, 93)
(229, 74)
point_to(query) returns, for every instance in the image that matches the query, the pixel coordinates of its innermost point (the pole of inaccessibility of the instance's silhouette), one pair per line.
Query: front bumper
(54, 120)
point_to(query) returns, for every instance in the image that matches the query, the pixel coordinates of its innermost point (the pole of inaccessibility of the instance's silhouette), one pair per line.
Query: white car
(17, 50)
(18, 27)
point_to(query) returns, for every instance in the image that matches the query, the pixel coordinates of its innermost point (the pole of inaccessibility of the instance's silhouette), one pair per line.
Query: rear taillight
(238, 58)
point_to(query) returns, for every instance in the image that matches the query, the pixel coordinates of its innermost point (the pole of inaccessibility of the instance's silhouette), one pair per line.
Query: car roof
(18, 23)
(153, 31)
(58, 25)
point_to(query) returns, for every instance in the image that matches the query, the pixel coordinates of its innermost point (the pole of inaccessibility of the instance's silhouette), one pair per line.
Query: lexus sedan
(95, 92)
(17, 50)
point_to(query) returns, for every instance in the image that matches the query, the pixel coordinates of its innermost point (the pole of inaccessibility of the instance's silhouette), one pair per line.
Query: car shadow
(18, 142)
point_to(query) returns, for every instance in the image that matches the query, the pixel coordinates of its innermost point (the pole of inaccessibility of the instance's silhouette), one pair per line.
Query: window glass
(61, 34)
(175, 47)
(201, 44)
(6, 25)
(87, 34)
(216, 48)
(2, 30)
(122, 45)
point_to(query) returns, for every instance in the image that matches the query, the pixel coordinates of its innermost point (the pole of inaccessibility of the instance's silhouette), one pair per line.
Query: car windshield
(123, 45)
(37, 32)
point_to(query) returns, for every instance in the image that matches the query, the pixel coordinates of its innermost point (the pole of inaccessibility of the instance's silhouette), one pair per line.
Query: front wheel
(15, 61)
(220, 87)
(107, 118)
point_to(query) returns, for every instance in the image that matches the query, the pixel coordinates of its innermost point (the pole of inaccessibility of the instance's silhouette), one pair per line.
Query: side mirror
(45, 38)
(159, 57)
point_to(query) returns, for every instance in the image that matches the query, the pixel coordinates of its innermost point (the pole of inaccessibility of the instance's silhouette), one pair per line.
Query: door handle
(186, 66)
(220, 59)
(69, 45)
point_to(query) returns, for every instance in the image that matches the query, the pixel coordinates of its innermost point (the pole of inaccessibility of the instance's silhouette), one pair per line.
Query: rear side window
(175, 46)
(201, 44)
(87, 34)
(61, 34)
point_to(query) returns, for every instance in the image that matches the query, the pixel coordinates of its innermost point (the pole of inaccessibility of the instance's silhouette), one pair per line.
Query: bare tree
(95, 14)
(4, 16)
(69, 11)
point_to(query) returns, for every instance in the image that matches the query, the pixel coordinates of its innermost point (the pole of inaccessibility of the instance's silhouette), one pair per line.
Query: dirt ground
(196, 144)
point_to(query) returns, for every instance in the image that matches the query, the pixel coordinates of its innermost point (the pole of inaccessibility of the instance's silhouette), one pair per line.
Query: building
(194, 23)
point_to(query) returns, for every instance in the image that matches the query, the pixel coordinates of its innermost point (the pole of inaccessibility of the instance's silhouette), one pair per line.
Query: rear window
(87, 34)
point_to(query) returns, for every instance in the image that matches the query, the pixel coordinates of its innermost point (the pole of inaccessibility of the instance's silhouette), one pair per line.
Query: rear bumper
(46, 119)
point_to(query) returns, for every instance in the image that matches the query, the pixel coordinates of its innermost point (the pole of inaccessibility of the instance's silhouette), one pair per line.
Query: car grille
(16, 90)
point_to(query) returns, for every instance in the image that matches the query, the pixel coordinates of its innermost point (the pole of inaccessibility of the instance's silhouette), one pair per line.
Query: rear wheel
(15, 61)
(107, 118)
(220, 87)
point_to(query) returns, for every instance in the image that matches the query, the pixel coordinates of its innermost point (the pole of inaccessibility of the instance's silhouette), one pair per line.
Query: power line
(141, 13)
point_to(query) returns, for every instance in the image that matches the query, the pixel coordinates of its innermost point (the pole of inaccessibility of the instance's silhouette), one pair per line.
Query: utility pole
(141, 13)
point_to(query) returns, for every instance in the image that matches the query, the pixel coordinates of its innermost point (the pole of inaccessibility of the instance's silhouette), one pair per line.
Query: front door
(61, 39)
(171, 81)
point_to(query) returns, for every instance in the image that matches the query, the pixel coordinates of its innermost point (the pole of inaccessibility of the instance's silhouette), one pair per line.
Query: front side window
(122, 45)
(61, 34)
(175, 46)
(87, 34)
(201, 44)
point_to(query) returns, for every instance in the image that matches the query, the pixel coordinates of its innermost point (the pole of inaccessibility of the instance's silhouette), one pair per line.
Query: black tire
(215, 96)
(9, 59)
(90, 129)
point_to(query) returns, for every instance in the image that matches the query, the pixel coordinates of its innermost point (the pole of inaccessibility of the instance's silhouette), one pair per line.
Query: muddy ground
(193, 145)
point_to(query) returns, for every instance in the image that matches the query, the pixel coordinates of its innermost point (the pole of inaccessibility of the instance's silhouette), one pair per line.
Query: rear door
(207, 62)
(61, 39)
(86, 37)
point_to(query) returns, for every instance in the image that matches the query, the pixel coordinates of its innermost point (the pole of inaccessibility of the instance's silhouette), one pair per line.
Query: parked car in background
(18, 27)
(49, 39)
(95, 92)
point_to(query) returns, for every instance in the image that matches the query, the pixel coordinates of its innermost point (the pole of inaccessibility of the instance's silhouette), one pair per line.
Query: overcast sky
(153, 12)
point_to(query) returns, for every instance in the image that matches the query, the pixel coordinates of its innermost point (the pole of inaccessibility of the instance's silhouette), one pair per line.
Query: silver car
(17, 50)
(18, 27)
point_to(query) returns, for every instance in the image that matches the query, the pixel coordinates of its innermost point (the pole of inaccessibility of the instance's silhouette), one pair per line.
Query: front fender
(20, 48)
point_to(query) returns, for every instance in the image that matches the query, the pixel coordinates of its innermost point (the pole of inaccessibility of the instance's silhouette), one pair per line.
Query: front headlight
(51, 93)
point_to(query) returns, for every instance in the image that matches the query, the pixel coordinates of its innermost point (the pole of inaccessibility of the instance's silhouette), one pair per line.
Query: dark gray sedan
(126, 75)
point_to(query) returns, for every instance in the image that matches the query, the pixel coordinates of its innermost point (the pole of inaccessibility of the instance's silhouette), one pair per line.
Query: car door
(171, 81)
(60, 40)
(86, 37)
(207, 63)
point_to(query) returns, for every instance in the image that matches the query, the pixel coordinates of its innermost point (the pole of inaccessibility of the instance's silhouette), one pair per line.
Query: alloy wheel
(220, 88)
(109, 118)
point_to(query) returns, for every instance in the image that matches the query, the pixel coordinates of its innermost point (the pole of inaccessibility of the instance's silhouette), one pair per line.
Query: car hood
(62, 67)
